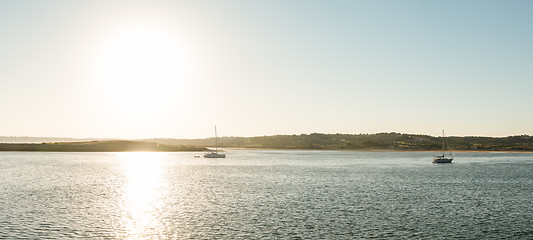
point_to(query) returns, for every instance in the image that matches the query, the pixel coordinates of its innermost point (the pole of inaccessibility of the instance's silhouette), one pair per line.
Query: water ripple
(265, 195)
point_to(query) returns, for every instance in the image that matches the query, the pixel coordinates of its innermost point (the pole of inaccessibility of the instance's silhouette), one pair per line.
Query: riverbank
(98, 146)
(382, 150)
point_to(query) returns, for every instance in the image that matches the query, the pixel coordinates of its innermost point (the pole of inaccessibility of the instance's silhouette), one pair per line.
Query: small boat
(443, 158)
(215, 154)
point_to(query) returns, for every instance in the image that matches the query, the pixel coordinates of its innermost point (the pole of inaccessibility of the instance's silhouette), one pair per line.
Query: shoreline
(97, 146)
(140, 146)
(381, 150)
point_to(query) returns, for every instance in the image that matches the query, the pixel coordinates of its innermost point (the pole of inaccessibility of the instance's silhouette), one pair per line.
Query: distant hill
(380, 141)
(98, 146)
(14, 139)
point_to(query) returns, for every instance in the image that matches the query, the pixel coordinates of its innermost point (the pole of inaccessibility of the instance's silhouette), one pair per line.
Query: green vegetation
(380, 141)
(98, 146)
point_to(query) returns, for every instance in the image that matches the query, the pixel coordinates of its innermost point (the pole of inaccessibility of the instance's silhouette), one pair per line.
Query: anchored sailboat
(215, 154)
(443, 158)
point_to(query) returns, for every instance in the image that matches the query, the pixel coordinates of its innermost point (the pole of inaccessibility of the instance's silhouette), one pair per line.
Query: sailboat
(443, 158)
(215, 154)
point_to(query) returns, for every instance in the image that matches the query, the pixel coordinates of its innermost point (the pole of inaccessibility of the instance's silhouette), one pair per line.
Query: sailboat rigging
(443, 158)
(215, 154)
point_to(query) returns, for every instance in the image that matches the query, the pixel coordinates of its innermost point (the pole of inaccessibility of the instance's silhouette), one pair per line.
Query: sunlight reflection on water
(143, 193)
(265, 195)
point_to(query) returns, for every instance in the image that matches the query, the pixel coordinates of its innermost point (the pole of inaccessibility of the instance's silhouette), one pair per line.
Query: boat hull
(442, 160)
(214, 155)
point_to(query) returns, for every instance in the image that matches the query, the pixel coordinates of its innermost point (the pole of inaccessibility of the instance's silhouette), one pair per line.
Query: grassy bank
(98, 146)
(388, 141)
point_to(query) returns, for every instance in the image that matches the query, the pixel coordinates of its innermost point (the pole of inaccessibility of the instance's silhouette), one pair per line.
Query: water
(266, 195)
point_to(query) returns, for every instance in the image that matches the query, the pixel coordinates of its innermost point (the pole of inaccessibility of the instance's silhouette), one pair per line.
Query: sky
(174, 69)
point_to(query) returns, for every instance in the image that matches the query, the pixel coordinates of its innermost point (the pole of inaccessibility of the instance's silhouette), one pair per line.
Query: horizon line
(144, 138)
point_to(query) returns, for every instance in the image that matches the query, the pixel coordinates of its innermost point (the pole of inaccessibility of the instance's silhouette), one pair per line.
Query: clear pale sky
(140, 69)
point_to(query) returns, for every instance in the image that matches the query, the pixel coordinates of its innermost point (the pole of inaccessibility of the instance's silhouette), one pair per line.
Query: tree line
(379, 141)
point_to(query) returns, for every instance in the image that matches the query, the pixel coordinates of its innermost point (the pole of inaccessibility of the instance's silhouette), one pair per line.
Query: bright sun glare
(143, 192)
(140, 68)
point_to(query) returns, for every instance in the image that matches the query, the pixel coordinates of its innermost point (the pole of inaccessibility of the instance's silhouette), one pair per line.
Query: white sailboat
(215, 154)
(443, 158)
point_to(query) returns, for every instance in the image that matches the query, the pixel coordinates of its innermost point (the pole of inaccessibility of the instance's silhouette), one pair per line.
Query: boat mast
(216, 140)
(442, 142)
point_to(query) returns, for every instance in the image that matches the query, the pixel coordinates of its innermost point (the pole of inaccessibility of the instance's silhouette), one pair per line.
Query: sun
(140, 68)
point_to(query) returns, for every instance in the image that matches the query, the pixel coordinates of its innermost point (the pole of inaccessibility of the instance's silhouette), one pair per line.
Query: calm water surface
(266, 195)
